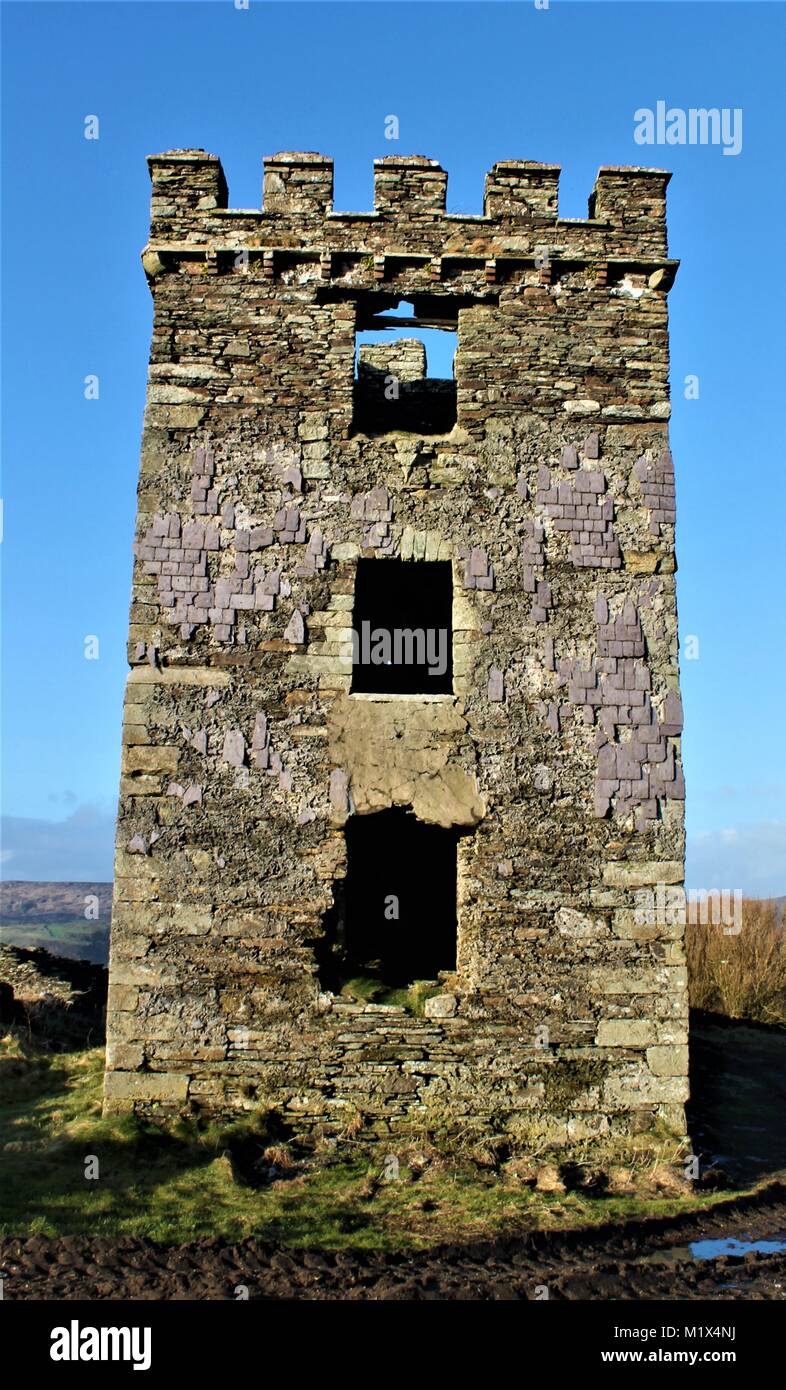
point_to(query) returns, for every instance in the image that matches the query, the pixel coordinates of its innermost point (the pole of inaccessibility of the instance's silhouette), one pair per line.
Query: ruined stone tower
(317, 812)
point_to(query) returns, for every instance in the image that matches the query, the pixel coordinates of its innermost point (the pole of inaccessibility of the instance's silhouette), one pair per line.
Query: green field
(77, 940)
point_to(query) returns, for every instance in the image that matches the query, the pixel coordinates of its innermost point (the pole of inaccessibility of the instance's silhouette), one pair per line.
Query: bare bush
(742, 976)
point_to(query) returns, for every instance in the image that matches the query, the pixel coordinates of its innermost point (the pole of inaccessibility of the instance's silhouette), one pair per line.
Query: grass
(742, 976)
(176, 1183)
(369, 990)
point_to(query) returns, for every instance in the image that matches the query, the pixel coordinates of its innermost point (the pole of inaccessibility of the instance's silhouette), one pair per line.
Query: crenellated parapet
(626, 220)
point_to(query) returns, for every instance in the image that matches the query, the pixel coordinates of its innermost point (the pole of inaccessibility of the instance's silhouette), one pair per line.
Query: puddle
(715, 1249)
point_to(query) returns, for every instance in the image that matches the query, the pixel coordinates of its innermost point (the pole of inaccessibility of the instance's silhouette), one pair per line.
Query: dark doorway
(402, 621)
(396, 922)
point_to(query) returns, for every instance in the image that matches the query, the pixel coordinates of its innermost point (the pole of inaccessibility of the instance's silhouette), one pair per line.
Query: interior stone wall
(558, 752)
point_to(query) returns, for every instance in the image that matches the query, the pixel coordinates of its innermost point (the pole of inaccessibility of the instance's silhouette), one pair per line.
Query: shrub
(742, 976)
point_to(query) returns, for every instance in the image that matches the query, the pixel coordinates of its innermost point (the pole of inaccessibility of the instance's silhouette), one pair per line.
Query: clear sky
(470, 84)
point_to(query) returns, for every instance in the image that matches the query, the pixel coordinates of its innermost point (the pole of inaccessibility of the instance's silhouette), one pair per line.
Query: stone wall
(558, 752)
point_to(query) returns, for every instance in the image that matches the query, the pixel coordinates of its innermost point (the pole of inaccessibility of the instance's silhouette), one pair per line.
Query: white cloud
(77, 849)
(749, 857)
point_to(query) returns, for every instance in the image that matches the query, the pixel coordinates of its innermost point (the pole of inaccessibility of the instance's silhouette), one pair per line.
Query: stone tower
(403, 703)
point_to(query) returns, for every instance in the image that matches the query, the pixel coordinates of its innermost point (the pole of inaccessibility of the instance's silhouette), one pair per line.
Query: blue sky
(470, 84)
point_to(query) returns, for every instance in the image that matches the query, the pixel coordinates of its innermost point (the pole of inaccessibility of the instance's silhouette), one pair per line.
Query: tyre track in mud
(637, 1260)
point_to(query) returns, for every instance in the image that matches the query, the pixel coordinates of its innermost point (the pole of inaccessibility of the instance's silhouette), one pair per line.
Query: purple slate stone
(607, 760)
(193, 535)
(478, 563)
(607, 786)
(590, 448)
(677, 789)
(601, 611)
(339, 790)
(672, 721)
(295, 631)
(378, 501)
(292, 477)
(496, 685)
(234, 750)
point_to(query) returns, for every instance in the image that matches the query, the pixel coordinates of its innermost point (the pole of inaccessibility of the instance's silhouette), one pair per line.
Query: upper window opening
(405, 381)
(402, 628)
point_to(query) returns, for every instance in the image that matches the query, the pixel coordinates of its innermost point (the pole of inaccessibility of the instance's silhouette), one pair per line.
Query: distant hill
(52, 915)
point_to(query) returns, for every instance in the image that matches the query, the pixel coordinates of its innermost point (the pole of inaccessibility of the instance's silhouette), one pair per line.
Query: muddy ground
(643, 1260)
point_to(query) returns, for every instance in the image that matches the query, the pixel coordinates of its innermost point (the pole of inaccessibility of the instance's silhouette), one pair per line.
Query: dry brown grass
(742, 976)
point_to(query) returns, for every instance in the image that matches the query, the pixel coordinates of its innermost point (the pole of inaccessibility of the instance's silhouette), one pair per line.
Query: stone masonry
(543, 476)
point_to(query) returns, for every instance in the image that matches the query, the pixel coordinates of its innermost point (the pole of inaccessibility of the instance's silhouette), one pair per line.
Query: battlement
(626, 212)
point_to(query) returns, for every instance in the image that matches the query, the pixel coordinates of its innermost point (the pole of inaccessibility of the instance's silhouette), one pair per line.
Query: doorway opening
(394, 921)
